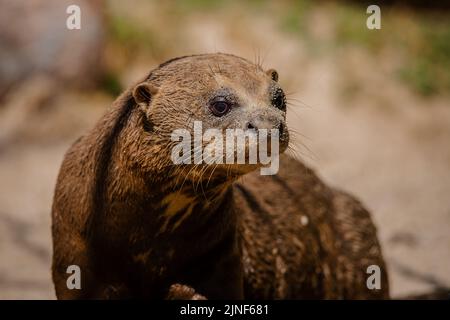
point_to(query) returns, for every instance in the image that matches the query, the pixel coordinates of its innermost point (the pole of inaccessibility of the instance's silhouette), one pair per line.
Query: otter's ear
(273, 74)
(143, 93)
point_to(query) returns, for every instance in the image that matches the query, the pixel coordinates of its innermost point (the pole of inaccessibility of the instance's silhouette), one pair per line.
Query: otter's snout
(268, 121)
(258, 124)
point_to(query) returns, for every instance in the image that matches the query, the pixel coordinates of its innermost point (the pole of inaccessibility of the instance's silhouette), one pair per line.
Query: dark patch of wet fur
(252, 243)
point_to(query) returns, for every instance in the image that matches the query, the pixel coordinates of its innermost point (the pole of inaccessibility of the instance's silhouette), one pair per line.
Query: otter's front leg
(91, 284)
(92, 290)
(182, 292)
(220, 277)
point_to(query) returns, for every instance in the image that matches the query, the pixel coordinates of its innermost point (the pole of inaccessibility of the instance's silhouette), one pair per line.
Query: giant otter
(140, 226)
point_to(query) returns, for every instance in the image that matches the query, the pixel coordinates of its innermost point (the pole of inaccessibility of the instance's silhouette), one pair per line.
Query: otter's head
(192, 107)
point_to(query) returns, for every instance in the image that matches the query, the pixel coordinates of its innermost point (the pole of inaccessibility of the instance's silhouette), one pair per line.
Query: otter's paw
(182, 292)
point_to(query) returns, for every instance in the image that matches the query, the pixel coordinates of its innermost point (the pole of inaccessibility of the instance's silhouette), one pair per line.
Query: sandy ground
(386, 145)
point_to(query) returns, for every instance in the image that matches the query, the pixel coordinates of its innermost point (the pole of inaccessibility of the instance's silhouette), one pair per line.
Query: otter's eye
(219, 107)
(279, 99)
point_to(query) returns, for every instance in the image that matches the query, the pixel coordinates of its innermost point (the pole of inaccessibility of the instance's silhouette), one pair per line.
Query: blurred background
(372, 108)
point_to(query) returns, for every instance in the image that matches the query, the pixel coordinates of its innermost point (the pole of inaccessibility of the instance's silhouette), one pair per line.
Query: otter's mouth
(231, 165)
(233, 151)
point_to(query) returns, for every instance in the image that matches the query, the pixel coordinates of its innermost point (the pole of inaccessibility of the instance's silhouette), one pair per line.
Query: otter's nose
(264, 124)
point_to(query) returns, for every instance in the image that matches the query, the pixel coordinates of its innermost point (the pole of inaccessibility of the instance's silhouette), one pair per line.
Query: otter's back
(302, 239)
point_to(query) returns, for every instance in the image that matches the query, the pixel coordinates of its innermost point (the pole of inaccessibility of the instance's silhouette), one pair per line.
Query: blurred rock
(34, 40)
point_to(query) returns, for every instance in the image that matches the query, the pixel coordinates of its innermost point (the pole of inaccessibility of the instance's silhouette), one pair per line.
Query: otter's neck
(193, 208)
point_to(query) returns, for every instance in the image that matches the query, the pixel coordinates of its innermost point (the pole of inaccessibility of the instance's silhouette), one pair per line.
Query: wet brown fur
(137, 225)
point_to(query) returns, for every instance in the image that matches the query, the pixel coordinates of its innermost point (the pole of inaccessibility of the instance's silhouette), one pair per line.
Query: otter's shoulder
(294, 190)
(293, 177)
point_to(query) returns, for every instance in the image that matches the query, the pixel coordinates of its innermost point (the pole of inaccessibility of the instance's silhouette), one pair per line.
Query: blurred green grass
(423, 38)
(420, 38)
(428, 69)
